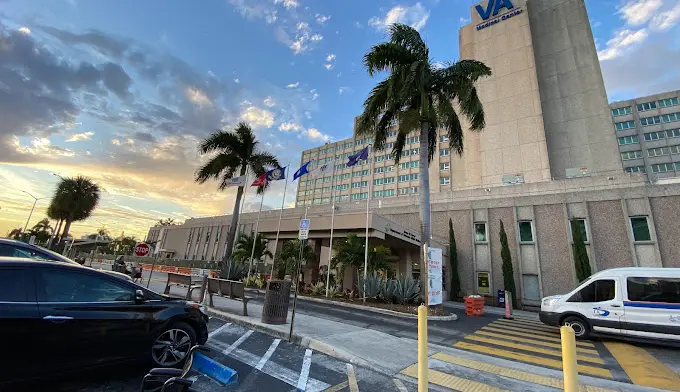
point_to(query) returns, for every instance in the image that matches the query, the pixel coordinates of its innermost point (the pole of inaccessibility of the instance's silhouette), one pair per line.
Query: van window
(597, 291)
(654, 289)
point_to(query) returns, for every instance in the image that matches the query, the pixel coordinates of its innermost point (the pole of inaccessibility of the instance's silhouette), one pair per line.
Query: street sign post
(303, 234)
(141, 249)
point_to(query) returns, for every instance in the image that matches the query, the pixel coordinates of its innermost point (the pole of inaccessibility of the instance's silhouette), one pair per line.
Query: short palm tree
(289, 256)
(235, 153)
(42, 230)
(244, 247)
(419, 96)
(349, 254)
(77, 198)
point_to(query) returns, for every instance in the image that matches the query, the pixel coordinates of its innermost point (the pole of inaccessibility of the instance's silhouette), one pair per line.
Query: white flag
(237, 181)
(322, 170)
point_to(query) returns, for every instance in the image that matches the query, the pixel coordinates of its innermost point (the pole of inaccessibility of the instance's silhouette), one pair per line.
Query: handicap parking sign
(303, 234)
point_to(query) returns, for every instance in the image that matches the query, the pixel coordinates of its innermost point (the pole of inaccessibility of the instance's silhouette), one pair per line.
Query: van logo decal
(674, 319)
(600, 312)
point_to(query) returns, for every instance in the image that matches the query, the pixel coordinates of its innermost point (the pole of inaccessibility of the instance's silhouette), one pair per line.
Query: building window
(636, 169)
(663, 168)
(379, 170)
(325, 189)
(656, 290)
(444, 166)
(360, 184)
(413, 139)
(580, 225)
(443, 139)
(444, 180)
(526, 232)
(360, 173)
(664, 103)
(328, 179)
(444, 152)
(640, 227)
(480, 232)
(406, 165)
(622, 111)
(628, 140)
(666, 118)
(359, 196)
(385, 193)
(408, 190)
(620, 126)
(643, 107)
(388, 145)
(408, 177)
(391, 134)
(657, 152)
(628, 155)
(673, 133)
(342, 187)
(483, 283)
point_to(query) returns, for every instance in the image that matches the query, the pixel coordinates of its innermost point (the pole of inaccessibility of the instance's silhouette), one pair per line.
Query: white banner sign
(434, 276)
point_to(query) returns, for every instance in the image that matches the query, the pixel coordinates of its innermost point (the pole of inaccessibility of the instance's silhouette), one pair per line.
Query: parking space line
(450, 381)
(237, 343)
(338, 387)
(532, 334)
(400, 385)
(268, 354)
(557, 346)
(218, 330)
(533, 359)
(352, 378)
(304, 372)
(524, 347)
(642, 368)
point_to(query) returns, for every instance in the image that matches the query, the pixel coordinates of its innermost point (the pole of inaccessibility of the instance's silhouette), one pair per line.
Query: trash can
(501, 298)
(276, 299)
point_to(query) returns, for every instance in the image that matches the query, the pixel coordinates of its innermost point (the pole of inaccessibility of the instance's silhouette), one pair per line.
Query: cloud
(24, 29)
(269, 102)
(330, 61)
(638, 12)
(196, 96)
(257, 117)
(303, 36)
(293, 85)
(255, 10)
(42, 147)
(76, 137)
(315, 135)
(667, 19)
(321, 19)
(289, 126)
(289, 4)
(315, 95)
(415, 16)
(624, 41)
(463, 20)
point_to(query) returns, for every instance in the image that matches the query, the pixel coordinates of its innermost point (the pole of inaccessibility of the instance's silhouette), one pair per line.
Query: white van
(629, 302)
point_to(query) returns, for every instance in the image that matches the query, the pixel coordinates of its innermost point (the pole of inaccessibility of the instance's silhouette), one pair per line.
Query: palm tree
(236, 153)
(16, 234)
(42, 230)
(350, 254)
(289, 256)
(420, 97)
(57, 213)
(244, 246)
(75, 197)
(166, 222)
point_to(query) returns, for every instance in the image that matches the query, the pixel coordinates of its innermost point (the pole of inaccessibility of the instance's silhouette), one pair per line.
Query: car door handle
(57, 319)
(615, 306)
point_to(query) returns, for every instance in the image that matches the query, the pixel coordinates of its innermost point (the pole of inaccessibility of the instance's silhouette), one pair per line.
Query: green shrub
(317, 289)
(405, 290)
(333, 292)
(387, 293)
(374, 284)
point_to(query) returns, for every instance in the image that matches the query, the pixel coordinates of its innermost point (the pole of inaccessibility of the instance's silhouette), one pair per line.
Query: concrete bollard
(422, 348)
(569, 365)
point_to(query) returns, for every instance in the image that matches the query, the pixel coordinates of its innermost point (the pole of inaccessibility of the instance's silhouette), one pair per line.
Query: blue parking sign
(303, 234)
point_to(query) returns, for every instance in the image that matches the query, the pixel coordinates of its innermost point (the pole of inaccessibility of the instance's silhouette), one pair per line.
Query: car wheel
(171, 347)
(580, 327)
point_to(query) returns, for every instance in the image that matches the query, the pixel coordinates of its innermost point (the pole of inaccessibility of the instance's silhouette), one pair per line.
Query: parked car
(626, 302)
(57, 318)
(14, 248)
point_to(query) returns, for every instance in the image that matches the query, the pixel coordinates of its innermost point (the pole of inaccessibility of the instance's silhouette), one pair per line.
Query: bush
(405, 290)
(317, 289)
(333, 292)
(374, 285)
(387, 293)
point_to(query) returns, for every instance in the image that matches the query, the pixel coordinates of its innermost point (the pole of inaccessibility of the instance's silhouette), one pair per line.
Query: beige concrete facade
(648, 131)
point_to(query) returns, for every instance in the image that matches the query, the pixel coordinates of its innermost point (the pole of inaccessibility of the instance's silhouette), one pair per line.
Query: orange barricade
(474, 306)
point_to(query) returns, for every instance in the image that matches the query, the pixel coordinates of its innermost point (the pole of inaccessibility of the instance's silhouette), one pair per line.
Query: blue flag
(276, 174)
(360, 156)
(301, 171)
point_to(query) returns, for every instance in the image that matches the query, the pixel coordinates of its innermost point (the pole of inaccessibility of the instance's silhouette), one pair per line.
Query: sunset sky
(122, 91)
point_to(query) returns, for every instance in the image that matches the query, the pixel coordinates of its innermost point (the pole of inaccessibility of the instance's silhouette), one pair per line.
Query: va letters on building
(492, 9)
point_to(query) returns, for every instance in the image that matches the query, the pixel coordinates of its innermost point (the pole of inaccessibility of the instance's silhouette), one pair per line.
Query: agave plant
(405, 290)
(333, 292)
(236, 271)
(374, 284)
(387, 293)
(317, 289)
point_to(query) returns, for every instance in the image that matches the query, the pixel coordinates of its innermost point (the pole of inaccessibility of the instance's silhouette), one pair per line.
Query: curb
(451, 317)
(303, 341)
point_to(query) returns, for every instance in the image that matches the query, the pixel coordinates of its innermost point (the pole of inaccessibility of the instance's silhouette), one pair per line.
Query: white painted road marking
(218, 330)
(304, 372)
(237, 343)
(400, 385)
(268, 354)
(352, 378)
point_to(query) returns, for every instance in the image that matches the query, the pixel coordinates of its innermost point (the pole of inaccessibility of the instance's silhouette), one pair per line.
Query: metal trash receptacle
(276, 300)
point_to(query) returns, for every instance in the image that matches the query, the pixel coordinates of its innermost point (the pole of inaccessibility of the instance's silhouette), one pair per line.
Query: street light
(35, 200)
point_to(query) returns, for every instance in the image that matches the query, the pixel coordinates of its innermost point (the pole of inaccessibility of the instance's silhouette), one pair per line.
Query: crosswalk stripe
(400, 385)
(237, 342)
(352, 378)
(524, 347)
(533, 334)
(512, 373)
(522, 324)
(548, 362)
(450, 381)
(643, 368)
(304, 372)
(268, 354)
(523, 328)
(534, 341)
(337, 387)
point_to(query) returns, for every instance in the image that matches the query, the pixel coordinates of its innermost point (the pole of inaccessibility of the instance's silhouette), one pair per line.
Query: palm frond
(471, 106)
(223, 164)
(373, 107)
(409, 38)
(451, 124)
(387, 56)
(220, 140)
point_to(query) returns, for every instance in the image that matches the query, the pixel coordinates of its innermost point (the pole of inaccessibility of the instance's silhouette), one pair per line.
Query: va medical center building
(547, 160)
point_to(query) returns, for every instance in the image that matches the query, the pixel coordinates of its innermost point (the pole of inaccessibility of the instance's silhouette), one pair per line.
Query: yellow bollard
(569, 359)
(422, 348)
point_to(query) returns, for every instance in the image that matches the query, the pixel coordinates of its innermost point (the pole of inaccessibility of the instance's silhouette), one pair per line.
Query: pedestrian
(137, 273)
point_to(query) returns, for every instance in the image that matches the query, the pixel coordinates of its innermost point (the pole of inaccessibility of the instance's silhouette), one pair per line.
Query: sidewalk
(396, 357)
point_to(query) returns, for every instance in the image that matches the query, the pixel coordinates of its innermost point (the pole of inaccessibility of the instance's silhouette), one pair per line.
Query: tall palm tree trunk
(55, 240)
(231, 235)
(67, 227)
(424, 192)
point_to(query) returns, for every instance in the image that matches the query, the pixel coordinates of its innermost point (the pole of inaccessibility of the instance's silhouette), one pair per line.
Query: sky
(123, 91)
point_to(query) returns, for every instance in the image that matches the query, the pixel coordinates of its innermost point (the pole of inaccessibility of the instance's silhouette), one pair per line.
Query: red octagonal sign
(141, 249)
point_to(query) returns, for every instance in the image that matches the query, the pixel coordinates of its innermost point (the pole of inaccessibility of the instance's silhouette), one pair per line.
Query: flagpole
(278, 229)
(368, 201)
(257, 225)
(330, 245)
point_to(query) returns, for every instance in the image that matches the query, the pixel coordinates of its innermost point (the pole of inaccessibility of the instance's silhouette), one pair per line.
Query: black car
(57, 318)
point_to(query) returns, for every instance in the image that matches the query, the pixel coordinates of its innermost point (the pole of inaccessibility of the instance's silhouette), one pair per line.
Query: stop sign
(141, 249)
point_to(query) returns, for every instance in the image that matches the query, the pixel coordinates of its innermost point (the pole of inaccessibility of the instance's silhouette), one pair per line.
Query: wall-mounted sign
(483, 283)
(491, 16)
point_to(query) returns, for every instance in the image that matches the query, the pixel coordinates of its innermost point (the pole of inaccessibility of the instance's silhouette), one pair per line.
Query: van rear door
(652, 307)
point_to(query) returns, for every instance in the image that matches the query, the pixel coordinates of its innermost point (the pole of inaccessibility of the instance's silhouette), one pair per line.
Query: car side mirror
(139, 296)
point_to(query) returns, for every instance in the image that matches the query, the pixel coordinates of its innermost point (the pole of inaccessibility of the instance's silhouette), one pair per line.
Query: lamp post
(35, 200)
